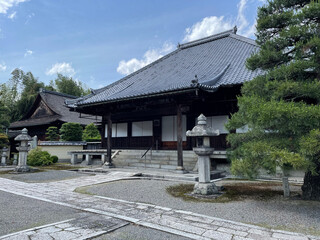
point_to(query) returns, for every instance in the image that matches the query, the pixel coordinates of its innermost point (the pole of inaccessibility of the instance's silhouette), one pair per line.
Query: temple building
(48, 110)
(155, 106)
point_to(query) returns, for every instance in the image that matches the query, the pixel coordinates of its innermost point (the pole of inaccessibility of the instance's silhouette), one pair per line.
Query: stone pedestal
(4, 157)
(204, 186)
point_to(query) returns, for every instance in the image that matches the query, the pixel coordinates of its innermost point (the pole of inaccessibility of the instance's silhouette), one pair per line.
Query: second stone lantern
(203, 133)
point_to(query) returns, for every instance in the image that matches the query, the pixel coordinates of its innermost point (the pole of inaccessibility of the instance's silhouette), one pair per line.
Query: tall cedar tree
(281, 108)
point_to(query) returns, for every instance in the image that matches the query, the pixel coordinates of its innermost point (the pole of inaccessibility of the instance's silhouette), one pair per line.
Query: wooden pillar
(109, 147)
(103, 133)
(179, 138)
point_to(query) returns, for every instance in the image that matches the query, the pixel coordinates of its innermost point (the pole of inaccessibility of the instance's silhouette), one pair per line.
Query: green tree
(69, 86)
(3, 140)
(281, 107)
(19, 93)
(52, 134)
(91, 133)
(4, 117)
(71, 132)
(31, 87)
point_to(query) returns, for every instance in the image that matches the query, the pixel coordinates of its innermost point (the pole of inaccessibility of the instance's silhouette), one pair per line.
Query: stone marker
(285, 185)
(202, 132)
(4, 156)
(15, 159)
(23, 149)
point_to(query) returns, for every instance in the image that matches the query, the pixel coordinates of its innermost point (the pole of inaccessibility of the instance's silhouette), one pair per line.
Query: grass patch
(83, 190)
(260, 191)
(59, 167)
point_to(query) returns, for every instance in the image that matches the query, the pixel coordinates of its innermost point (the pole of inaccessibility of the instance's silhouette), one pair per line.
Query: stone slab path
(183, 223)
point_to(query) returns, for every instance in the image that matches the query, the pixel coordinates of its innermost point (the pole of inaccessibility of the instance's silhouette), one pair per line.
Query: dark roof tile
(220, 57)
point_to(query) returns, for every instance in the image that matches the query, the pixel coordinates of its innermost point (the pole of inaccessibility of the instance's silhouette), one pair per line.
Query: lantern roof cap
(201, 129)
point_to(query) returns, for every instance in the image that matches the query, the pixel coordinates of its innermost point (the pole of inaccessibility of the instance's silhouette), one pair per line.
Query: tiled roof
(56, 102)
(216, 61)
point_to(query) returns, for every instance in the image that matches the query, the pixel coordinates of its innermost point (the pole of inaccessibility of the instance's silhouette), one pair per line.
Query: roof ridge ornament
(235, 29)
(195, 82)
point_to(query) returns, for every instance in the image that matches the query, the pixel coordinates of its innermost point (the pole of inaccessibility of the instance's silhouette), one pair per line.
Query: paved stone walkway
(183, 223)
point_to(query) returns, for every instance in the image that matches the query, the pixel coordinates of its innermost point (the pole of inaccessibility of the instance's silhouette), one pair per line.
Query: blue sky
(101, 41)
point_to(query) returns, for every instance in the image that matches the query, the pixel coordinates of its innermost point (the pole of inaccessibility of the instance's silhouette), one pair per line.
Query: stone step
(155, 158)
(155, 153)
(153, 161)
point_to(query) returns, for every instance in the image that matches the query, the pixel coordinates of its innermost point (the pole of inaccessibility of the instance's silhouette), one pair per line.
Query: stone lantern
(23, 149)
(202, 133)
(4, 156)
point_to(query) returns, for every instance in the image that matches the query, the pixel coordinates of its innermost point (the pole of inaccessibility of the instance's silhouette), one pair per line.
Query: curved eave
(149, 95)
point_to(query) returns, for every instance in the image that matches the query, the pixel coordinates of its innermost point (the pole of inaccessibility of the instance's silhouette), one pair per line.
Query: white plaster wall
(61, 151)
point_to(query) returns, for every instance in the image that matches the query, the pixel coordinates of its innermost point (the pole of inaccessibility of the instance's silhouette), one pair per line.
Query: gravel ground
(18, 213)
(293, 215)
(46, 176)
(134, 232)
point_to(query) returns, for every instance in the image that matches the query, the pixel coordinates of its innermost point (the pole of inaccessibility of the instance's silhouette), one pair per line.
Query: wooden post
(103, 133)
(109, 147)
(179, 138)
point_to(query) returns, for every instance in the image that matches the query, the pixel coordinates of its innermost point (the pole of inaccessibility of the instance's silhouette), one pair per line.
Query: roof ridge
(43, 90)
(244, 39)
(135, 72)
(207, 39)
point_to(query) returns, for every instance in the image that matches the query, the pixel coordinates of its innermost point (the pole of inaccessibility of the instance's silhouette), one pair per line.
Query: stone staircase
(158, 159)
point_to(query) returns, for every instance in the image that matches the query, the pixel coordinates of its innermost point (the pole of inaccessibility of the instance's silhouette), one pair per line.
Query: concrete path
(183, 223)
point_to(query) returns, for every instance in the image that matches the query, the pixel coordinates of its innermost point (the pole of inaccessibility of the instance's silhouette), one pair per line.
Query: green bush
(54, 159)
(71, 132)
(91, 133)
(52, 134)
(37, 157)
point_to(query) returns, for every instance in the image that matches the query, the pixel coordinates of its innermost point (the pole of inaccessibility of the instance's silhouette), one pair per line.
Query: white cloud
(63, 68)
(127, 67)
(28, 53)
(6, 4)
(214, 24)
(29, 18)
(12, 15)
(208, 26)
(241, 18)
(3, 67)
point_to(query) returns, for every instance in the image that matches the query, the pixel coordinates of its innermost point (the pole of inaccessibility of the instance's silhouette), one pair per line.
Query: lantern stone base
(205, 189)
(22, 169)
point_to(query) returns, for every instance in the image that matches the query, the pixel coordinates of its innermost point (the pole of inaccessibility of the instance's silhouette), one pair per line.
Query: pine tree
(52, 134)
(281, 107)
(91, 133)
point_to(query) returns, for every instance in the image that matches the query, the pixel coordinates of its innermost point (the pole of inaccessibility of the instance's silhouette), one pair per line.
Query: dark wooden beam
(103, 132)
(109, 147)
(179, 137)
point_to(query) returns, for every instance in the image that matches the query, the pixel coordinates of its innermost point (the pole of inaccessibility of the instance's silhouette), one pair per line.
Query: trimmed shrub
(37, 157)
(52, 134)
(91, 133)
(71, 132)
(54, 159)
